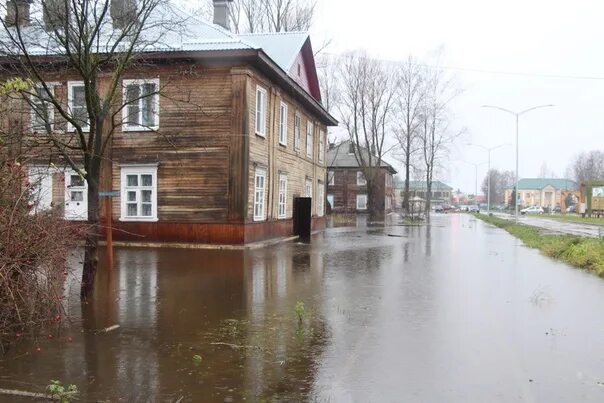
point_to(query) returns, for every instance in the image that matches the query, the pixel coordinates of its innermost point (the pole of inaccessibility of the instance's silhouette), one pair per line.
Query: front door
(76, 196)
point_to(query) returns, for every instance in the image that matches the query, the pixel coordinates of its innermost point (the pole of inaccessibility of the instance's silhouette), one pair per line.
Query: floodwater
(456, 311)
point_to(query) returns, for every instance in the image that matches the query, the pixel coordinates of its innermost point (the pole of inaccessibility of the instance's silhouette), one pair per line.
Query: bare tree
(410, 99)
(435, 134)
(96, 42)
(500, 181)
(545, 172)
(587, 166)
(366, 105)
(327, 68)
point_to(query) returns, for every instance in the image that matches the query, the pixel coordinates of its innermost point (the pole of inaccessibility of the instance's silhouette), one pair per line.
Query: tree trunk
(407, 173)
(91, 253)
(428, 194)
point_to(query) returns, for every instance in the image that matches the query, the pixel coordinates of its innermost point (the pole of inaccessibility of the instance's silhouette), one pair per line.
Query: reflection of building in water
(137, 293)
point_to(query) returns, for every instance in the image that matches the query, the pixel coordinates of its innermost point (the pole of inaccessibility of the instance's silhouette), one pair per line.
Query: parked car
(474, 209)
(556, 209)
(571, 209)
(532, 210)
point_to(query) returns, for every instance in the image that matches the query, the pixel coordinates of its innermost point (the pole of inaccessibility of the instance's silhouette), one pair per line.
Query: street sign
(113, 193)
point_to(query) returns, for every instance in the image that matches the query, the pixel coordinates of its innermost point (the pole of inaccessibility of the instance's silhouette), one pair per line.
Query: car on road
(532, 210)
(474, 209)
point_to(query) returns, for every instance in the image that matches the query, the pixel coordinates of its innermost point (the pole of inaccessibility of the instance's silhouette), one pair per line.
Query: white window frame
(333, 200)
(145, 169)
(261, 111)
(320, 199)
(308, 190)
(364, 198)
(70, 86)
(50, 107)
(331, 178)
(321, 146)
(297, 131)
(309, 139)
(260, 194)
(283, 110)
(361, 180)
(139, 127)
(282, 205)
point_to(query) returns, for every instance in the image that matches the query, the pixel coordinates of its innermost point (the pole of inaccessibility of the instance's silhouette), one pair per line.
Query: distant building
(440, 192)
(543, 192)
(346, 184)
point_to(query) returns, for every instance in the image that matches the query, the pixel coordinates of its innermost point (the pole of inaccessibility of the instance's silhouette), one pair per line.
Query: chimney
(54, 14)
(17, 13)
(222, 13)
(123, 12)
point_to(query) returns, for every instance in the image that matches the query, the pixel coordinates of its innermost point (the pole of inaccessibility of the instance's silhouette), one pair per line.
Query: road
(457, 311)
(559, 226)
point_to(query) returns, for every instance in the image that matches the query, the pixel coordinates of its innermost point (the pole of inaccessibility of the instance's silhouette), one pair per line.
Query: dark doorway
(302, 217)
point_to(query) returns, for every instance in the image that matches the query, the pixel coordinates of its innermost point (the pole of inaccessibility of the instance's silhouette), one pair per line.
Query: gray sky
(533, 39)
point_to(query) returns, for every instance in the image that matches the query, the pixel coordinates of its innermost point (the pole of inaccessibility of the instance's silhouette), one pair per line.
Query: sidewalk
(562, 227)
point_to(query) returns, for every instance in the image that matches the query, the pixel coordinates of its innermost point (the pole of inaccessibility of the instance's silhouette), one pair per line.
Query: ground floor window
(320, 199)
(282, 196)
(259, 187)
(361, 202)
(331, 201)
(388, 203)
(138, 193)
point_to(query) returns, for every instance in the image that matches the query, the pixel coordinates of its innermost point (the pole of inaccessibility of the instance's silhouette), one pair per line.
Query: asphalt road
(563, 227)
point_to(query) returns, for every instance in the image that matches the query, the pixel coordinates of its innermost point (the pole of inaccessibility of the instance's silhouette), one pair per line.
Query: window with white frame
(388, 180)
(138, 193)
(259, 191)
(261, 108)
(76, 100)
(141, 105)
(387, 202)
(320, 199)
(42, 109)
(308, 187)
(331, 178)
(297, 129)
(361, 202)
(361, 181)
(321, 146)
(309, 133)
(331, 200)
(283, 124)
(282, 211)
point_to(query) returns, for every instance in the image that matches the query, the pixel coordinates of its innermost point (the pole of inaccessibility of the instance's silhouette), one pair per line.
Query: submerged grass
(573, 218)
(585, 253)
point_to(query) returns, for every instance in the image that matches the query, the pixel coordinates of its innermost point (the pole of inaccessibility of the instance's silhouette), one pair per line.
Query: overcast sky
(503, 54)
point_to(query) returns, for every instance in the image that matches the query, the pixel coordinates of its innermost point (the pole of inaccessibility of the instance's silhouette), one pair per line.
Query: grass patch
(585, 253)
(572, 218)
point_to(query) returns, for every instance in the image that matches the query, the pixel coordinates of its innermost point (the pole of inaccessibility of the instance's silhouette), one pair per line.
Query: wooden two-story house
(347, 186)
(233, 133)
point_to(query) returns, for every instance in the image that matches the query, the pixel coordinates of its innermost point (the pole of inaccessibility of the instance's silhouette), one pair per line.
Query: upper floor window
(283, 124)
(261, 108)
(141, 105)
(76, 101)
(309, 133)
(308, 187)
(361, 180)
(331, 175)
(321, 146)
(42, 109)
(297, 129)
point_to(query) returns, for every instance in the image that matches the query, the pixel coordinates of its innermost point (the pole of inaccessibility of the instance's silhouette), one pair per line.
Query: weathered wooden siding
(345, 190)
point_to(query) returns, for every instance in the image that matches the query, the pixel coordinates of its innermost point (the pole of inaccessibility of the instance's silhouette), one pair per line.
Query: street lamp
(517, 114)
(476, 165)
(489, 149)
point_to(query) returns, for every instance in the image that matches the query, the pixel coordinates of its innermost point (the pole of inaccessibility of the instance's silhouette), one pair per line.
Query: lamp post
(489, 149)
(517, 114)
(475, 177)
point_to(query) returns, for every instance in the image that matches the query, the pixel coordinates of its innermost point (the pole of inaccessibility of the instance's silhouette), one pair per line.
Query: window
(297, 128)
(261, 108)
(387, 202)
(283, 124)
(308, 188)
(259, 186)
(282, 196)
(139, 193)
(42, 109)
(77, 105)
(361, 181)
(331, 178)
(331, 200)
(309, 130)
(361, 202)
(321, 146)
(351, 148)
(141, 105)
(320, 199)
(388, 180)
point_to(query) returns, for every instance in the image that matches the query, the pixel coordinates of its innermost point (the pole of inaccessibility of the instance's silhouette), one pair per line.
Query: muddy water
(456, 311)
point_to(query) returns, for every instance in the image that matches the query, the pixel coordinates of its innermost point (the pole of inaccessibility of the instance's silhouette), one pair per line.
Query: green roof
(540, 183)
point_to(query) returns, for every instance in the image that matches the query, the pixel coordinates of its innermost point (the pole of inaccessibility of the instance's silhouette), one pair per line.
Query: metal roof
(421, 185)
(339, 157)
(282, 47)
(540, 183)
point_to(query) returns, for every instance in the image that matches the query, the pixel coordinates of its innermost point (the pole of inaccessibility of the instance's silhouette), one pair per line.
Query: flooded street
(457, 311)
